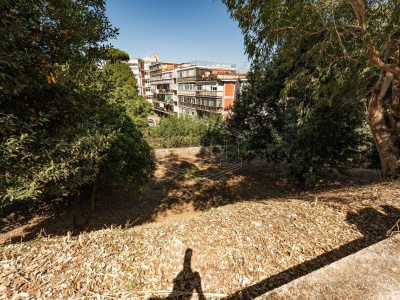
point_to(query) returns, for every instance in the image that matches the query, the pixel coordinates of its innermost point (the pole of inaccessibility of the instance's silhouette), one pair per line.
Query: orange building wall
(229, 89)
(228, 103)
(229, 95)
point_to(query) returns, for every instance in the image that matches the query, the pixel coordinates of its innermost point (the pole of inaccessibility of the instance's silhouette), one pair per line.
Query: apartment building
(163, 87)
(141, 69)
(193, 89)
(137, 67)
(148, 62)
(205, 89)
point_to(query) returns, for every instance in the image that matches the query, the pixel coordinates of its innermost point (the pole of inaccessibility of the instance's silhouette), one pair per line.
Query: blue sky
(178, 30)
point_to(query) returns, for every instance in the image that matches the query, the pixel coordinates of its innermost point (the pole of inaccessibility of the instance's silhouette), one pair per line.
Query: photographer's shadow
(186, 282)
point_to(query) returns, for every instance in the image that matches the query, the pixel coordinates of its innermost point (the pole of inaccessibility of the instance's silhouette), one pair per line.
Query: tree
(115, 55)
(357, 42)
(120, 74)
(129, 162)
(329, 140)
(137, 108)
(58, 125)
(123, 80)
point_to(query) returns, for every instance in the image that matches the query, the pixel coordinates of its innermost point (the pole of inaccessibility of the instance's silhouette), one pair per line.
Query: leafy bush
(129, 162)
(124, 92)
(60, 129)
(174, 132)
(120, 75)
(328, 138)
(41, 155)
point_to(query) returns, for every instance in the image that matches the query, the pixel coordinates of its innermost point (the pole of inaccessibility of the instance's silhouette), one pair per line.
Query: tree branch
(373, 57)
(359, 9)
(337, 32)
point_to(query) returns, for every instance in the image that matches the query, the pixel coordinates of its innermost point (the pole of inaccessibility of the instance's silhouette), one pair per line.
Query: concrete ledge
(372, 273)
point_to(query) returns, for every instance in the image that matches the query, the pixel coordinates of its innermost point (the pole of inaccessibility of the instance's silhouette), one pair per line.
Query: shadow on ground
(372, 223)
(170, 193)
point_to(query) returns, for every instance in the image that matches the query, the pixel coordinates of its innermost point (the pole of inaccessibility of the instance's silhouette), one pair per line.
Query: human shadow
(186, 283)
(372, 223)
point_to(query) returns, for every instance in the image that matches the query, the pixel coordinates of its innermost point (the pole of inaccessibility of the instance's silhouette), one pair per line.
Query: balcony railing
(207, 93)
(161, 109)
(161, 99)
(162, 80)
(201, 107)
(190, 78)
(199, 78)
(189, 93)
(164, 91)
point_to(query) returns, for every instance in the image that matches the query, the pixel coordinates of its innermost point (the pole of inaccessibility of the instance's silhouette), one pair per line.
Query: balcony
(206, 93)
(165, 111)
(190, 78)
(207, 78)
(161, 98)
(164, 91)
(201, 107)
(187, 93)
(162, 81)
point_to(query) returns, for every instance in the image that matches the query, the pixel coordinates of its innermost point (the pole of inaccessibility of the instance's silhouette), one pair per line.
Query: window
(199, 87)
(213, 88)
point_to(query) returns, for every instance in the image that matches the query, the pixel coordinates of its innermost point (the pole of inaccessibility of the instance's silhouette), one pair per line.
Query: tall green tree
(125, 92)
(358, 43)
(120, 74)
(57, 123)
(329, 140)
(114, 55)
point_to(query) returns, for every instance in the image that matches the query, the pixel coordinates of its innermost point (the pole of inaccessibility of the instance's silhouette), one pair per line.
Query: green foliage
(115, 55)
(42, 154)
(129, 162)
(138, 109)
(174, 132)
(329, 52)
(58, 127)
(120, 74)
(267, 24)
(329, 139)
(125, 92)
(45, 44)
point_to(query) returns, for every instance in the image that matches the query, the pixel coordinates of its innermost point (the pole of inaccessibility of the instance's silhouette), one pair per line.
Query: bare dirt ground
(237, 237)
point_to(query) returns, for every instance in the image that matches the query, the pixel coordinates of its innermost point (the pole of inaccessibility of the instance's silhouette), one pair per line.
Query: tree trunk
(95, 186)
(383, 113)
(384, 136)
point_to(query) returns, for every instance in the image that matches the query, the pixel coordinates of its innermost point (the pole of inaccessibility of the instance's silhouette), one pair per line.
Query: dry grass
(249, 233)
